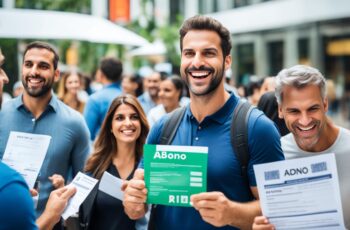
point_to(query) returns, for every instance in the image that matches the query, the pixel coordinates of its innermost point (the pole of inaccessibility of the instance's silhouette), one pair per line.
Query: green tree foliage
(170, 36)
(9, 50)
(81, 6)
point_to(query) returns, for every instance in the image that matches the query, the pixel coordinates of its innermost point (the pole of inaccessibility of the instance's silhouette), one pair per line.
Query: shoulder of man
(64, 111)
(156, 130)
(11, 104)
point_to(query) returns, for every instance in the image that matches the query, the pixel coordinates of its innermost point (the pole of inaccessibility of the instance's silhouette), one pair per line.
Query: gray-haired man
(301, 95)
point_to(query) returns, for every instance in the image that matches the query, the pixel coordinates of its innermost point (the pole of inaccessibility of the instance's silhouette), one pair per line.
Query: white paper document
(301, 193)
(111, 185)
(84, 184)
(25, 153)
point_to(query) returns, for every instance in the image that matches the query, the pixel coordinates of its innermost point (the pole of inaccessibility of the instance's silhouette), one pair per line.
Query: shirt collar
(222, 114)
(53, 103)
(113, 85)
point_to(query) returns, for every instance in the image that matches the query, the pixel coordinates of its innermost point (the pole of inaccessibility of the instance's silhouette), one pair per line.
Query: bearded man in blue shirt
(38, 111)
(205, 55)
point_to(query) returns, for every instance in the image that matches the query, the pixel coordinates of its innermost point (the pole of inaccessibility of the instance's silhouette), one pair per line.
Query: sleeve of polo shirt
(82, 146)
(91, 115)
(264, 142)
(17, 207)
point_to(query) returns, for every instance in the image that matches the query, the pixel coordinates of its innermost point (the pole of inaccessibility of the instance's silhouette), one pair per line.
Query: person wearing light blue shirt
(109, 74)
(149, 99)
(38, 111)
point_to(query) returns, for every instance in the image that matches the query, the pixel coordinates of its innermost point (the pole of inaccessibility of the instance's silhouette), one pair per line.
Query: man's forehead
(305, 96)
(39, 54)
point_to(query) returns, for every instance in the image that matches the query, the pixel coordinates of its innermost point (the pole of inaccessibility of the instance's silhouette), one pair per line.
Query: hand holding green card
(174, 173)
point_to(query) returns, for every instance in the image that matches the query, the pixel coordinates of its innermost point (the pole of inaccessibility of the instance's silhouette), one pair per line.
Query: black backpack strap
(239, 135)
(166, 137)
(170, 126)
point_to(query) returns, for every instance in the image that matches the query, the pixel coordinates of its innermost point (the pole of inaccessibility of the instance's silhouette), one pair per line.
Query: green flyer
(173, 173)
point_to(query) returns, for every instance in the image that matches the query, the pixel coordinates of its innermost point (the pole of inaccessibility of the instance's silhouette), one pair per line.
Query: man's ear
(280, 113)
(325, 104)
(57, 75)
(228, 62)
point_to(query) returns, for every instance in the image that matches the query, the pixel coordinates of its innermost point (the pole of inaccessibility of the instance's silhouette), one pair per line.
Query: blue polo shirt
(69, 144)
(97, 106)
(16, 210)
(224, 172)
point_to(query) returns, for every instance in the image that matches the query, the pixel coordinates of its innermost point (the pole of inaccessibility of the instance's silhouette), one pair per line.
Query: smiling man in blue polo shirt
(205, 55)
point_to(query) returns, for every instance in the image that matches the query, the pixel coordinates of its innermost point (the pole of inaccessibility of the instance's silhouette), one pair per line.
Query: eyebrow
(210, 49)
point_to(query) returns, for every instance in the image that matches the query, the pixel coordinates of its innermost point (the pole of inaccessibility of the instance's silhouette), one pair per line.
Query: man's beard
(37, 92)
(214, 82)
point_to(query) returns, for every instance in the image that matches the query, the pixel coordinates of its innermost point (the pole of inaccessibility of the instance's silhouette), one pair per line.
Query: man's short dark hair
(112, 68)
(44, 45)
(201, 22)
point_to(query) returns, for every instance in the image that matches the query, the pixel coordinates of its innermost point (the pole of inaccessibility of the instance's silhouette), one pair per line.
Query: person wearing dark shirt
(118, 149)
(268, 104)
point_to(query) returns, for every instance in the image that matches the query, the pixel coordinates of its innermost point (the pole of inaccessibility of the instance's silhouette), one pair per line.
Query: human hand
(57, 202)
(135, 195)
(33, 192)
(262, 223)
(57, 180)
(214, 208)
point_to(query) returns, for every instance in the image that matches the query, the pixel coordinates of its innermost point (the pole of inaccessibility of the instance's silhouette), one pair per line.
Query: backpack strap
(166, 137)
(170, 126)
(239, 135)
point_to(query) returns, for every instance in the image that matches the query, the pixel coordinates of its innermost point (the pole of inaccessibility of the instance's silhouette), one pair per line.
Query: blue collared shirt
(97, 106)
(69, 144)
(224, 171)
(146, 102)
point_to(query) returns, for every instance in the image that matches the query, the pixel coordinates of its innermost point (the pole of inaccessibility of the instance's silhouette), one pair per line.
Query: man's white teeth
(306, 128)
(34, 80)
(199, 74)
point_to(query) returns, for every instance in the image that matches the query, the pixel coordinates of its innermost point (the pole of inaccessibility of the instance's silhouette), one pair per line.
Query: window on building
(176, 8)
(275, 57)
(240, 3)
(303, 51)
(245, 62)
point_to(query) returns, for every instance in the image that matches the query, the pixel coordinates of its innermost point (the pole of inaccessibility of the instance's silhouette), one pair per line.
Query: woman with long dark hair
(118, 150)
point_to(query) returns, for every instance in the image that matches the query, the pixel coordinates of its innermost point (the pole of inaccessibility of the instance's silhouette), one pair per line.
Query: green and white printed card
(173, 173)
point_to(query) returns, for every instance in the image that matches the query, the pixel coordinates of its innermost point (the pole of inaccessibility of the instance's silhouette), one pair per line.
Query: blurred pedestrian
(132, 84)
(38, 111)
(268, 104)
(68, 90)
(17, 89)
(254, 90)
(109, 74)
(170, 94)
(118, 150)
(150, 97)
(268, 85)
